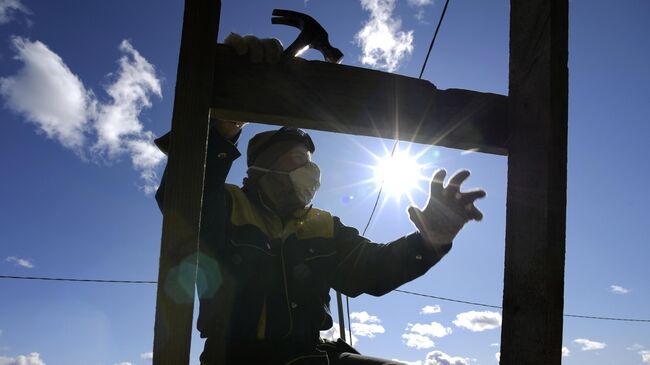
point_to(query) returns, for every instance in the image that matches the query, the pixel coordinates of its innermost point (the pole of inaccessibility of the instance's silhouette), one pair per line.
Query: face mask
(305, 180)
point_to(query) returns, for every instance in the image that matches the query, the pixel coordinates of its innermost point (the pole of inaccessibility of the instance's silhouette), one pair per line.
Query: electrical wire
(396, 290)
(78, 280)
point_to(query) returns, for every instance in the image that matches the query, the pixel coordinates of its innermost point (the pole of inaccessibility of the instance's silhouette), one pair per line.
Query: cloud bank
(48, 94)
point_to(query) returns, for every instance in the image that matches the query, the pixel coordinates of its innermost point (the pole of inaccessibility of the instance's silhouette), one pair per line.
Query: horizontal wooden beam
(353, 100)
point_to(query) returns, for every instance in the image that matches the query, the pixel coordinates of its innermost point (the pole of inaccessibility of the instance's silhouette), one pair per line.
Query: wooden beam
(533, 296)
(184, 183)
(352, 100)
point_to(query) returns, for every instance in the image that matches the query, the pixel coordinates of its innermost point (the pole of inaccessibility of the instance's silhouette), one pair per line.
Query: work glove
(447, 209)
(268, 50)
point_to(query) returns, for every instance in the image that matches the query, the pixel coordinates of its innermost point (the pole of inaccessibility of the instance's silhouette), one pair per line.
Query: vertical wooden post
(533, 296)
(184, 183)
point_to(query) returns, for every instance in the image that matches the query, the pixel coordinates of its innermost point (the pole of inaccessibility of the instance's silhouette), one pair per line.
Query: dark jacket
(264, 285)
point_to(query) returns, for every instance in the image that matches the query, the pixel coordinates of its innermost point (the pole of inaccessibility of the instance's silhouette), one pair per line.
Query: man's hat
(262, 141)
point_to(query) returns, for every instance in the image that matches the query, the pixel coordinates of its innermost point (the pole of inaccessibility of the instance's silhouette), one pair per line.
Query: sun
(400, 174)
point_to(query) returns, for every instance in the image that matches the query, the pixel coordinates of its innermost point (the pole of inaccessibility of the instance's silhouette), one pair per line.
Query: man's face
(284, 199)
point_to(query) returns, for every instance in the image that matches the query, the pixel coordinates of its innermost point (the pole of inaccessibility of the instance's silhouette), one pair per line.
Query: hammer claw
(312, 34)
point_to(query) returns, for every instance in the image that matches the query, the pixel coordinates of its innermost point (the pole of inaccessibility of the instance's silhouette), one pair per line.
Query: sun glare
(399, 174)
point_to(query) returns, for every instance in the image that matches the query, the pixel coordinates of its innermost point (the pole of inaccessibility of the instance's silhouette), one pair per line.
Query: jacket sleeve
(376, 269)
(220, 156)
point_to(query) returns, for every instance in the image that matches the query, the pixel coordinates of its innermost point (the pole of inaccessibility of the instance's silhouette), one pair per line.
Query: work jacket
(264, 284)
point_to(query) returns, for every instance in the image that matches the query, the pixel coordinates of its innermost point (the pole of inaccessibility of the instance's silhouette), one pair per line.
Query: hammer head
(312, 35)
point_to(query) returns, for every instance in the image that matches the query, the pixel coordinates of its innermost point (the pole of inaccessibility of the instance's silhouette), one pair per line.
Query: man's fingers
(470, 196)
(437, 180)
(236, 41)
(455, 181)
(473, 212)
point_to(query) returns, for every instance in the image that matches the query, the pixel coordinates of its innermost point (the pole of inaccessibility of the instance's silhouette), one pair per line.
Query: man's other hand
(268, 50)
(447, 210)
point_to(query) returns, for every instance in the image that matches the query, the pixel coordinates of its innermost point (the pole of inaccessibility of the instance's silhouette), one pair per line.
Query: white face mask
(305, 180)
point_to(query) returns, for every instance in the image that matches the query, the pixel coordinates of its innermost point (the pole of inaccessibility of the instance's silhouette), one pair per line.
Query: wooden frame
(530, 126)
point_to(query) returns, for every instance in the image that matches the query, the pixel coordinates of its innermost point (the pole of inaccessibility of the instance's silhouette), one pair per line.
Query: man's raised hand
(447, 210)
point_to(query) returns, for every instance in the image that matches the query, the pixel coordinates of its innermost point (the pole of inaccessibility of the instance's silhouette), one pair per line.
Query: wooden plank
(352, 100)
(184, 183)
(533, 296)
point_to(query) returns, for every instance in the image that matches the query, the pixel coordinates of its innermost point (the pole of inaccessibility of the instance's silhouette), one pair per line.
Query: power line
(78, 280)
(448, 299)
(435, 34)
(397, 290)
(499, 307)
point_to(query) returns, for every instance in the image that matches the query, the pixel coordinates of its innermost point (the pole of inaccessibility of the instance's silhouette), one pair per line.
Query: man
(268, 259)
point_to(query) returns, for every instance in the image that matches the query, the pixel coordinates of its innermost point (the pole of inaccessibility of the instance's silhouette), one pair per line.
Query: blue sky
(85, 86)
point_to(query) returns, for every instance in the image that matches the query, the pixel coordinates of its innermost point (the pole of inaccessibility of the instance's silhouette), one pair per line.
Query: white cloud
(420, 2)
(33, 358)
(635, 347)
(408, 362)
(498, 356)
(334, 333)
(48, 94)
(366, 325)
(20, 262)
(367, 329)
(440, 358)
(364, 317)
(124, 363)
(616, 289)
(420, 335)
(495, 344)
(147, 356)
(9, 7)
(430, 309)
(383, 44)
(478, 321)
(417, 341)
(645, 356)
(565, 351)
(588, 345)
(433, 329)
(118, 127)
(118, 121)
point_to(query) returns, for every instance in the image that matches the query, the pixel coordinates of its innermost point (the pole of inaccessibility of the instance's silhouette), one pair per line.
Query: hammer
(312, 35)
